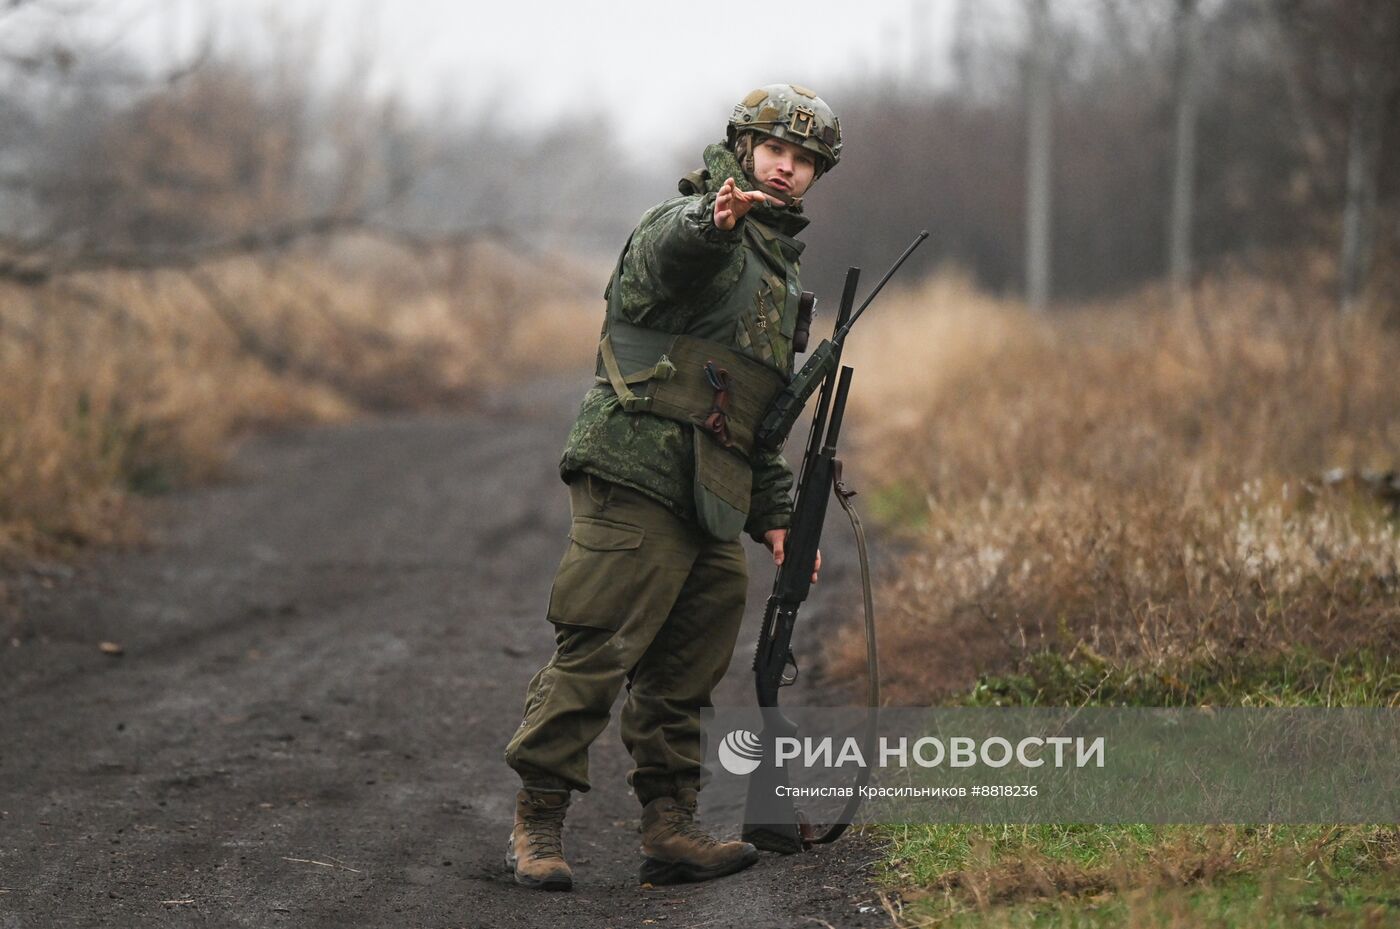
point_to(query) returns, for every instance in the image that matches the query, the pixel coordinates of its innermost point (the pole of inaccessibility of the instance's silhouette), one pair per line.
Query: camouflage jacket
(679, 268)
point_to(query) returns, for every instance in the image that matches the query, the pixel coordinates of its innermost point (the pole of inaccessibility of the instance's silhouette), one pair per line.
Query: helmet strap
(743, 147)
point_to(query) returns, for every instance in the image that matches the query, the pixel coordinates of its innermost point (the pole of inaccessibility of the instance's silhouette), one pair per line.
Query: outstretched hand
(776, 540)
(731, 203)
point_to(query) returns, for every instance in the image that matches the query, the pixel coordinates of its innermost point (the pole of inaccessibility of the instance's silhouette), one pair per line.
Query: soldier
(663, 478)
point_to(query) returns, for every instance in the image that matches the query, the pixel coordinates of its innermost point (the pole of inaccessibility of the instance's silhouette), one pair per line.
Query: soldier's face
(784, 165)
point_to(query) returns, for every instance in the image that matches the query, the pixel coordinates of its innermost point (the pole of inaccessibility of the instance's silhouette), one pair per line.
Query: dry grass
(1141, 480)
(129, 381)
(1142, 875)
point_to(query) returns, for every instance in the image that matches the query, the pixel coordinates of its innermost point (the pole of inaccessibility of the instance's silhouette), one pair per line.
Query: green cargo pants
(641, 598)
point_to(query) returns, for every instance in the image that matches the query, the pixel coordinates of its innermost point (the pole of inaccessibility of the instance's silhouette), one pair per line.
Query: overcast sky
(646, 63)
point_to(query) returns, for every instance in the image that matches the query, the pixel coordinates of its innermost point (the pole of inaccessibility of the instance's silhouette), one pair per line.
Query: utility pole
(1179, 259)
(1039, 137)
(921, 46)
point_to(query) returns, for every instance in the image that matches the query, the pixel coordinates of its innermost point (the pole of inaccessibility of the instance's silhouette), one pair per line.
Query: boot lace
(682, 822)
(544, 831)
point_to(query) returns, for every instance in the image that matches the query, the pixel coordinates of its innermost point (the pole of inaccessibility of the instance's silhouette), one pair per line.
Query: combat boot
(679, 851)
(536, 849)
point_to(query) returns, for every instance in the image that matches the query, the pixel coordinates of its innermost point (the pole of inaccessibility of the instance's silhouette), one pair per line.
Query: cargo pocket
(596, 581)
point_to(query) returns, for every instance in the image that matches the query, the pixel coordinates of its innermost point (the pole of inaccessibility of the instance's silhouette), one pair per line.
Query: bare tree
(1359, 212)
(1343, 71)
(115, 166)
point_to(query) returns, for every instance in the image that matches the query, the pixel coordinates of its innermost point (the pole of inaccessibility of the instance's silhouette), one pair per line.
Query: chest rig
(718, 377)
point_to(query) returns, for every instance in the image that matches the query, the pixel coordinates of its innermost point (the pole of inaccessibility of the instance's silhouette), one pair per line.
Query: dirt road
(323, 658)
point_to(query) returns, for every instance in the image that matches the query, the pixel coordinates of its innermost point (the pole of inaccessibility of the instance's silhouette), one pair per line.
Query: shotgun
(771, 822)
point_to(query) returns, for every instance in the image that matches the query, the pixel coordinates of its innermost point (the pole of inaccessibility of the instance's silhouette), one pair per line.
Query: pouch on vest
(723, 485)
(667, 379)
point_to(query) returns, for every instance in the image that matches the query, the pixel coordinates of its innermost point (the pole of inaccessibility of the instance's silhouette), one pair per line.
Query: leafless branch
(23, 267)
(269, 356)
(32, 262)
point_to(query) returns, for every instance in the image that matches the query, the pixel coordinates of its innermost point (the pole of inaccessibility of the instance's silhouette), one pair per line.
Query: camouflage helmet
(793, 113)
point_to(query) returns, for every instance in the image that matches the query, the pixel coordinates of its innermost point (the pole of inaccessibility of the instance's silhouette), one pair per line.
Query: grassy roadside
(1135, 505)
(1152, 483)
(128, 383)
(1138, 876)
(1142, 875)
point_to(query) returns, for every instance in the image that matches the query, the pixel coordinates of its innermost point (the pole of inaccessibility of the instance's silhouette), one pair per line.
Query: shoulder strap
(694, 182)
(617, 273)
(621, 383)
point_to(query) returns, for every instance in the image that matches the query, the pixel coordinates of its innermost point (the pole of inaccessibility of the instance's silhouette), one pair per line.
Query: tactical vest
(720, 392)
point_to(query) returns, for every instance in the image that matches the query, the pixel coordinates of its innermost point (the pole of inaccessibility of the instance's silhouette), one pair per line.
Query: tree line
(1076, 151)
(1079, 156)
